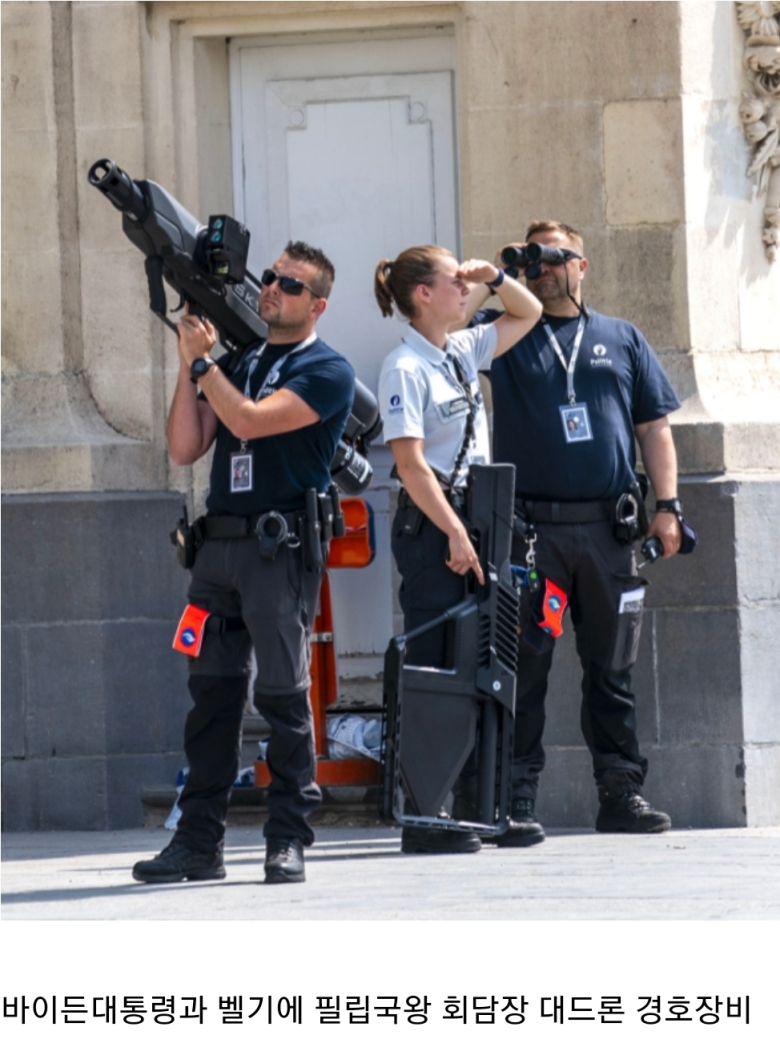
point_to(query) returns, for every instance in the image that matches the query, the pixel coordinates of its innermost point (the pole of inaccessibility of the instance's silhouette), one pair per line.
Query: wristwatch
(668, 505)
(495, 284)
(199, 367)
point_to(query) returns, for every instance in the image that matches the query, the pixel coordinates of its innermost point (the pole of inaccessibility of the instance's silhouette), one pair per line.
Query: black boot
(284, 860)
(524, 830)
(178, 862)
(627, 811)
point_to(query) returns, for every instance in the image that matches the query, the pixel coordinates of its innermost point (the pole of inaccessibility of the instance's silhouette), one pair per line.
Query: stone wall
(620, 118)
(94, 697)
(82, 405)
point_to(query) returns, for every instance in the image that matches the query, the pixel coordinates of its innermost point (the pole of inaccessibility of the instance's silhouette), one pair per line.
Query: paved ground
(359, 874)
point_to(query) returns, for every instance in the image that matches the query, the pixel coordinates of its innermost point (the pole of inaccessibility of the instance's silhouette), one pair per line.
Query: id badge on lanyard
(241, 470)
(574, 416)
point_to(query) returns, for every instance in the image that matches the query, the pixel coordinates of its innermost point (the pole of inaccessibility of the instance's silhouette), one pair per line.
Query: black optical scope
(531, 257)
(207, 267)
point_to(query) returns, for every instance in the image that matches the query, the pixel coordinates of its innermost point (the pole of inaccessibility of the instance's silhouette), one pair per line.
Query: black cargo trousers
(277, 600)
(428, 586)
(428, 589)
(594, 570)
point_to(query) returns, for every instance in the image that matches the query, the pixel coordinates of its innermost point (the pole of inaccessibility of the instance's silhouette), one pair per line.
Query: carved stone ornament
(760, 110)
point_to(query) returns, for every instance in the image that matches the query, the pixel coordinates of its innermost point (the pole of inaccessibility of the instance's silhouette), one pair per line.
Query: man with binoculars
(569, 399)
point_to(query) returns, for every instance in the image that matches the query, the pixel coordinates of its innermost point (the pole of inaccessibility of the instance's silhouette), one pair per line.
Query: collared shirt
(421, 396)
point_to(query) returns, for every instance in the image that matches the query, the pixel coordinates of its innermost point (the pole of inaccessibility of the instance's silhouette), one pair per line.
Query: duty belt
(213, 527)
(564, 512)
(307, 528)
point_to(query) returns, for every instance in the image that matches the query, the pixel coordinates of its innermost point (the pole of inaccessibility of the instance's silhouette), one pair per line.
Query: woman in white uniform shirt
(436, 426)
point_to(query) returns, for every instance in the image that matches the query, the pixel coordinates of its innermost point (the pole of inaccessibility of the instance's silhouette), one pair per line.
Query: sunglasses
(287, 284)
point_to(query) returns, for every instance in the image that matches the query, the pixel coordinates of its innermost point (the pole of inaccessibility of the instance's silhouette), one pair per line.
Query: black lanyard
(273, 374)
(468, 436)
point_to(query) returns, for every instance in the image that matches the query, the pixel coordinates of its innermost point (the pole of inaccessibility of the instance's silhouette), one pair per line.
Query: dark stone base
(708, 713)
(94, 698)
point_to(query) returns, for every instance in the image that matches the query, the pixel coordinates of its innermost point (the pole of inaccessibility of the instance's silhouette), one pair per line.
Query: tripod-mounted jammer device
(435, 718)
(207, 267)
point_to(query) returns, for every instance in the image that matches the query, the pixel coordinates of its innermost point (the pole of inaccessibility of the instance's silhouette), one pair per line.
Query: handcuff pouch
(629, 515)
(272, 532)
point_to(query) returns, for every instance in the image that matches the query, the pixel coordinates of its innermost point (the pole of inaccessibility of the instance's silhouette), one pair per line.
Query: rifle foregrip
(154, 270)
(158, 303)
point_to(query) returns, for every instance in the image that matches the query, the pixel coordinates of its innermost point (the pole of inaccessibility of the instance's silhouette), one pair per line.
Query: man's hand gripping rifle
(434, 718)
(207, 267)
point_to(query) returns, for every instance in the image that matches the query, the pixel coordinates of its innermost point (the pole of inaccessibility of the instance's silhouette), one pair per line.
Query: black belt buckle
(270, 540)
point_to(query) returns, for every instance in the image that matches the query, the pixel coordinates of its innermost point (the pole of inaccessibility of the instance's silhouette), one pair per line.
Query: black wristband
(668, 505)
(495, 284)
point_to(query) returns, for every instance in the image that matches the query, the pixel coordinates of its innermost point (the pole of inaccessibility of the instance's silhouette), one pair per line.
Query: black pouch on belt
(312, 534)
(339, 524)
(187, 539)
(327, 511)
(411, 516)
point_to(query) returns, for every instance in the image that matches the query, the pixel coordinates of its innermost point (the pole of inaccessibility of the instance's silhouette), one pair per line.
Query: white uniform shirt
(420, 396)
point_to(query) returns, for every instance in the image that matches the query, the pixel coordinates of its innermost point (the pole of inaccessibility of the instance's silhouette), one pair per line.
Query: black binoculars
(532, 256)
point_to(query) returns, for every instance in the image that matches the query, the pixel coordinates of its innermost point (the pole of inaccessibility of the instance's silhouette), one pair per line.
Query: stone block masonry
(94, 698)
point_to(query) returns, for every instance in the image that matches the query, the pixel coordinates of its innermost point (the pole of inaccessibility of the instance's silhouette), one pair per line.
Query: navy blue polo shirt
(617, 375)
(284, 466)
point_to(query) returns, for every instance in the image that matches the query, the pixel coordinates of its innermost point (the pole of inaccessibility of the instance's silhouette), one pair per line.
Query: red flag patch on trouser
(189, 633)
(549, 617)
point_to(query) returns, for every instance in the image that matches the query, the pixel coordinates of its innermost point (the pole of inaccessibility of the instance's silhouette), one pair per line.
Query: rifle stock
(433, 717)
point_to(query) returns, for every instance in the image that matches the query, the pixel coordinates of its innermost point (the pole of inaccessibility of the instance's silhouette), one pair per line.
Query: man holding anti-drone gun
(278, 412)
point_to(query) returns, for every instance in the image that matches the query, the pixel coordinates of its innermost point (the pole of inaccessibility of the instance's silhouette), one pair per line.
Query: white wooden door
(349, 145)
(363, 166)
